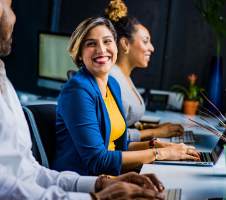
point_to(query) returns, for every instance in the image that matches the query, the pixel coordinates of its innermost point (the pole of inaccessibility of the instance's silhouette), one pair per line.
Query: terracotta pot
(190, 107)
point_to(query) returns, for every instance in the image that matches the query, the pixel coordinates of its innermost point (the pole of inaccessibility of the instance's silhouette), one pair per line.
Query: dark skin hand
(149, 181)
(163, 130)
(168, 129)
(126, 191)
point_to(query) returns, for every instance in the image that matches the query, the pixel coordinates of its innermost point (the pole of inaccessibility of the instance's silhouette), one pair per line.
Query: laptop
(187, 138)
(206, 158)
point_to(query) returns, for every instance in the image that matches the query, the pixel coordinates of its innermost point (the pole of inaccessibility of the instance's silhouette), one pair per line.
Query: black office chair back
(70, 73)
(35, 150)
(42, 120)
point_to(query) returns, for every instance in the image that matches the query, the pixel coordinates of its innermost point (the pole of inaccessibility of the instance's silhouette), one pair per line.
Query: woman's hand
(149, 181)
(178, 152)
(168, 130)
(122, 190)
(160, 144)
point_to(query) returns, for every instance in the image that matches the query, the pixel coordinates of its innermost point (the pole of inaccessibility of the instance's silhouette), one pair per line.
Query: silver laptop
(206, 158)
(187, 138)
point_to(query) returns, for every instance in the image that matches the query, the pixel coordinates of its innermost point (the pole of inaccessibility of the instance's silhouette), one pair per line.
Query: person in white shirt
(21, 177)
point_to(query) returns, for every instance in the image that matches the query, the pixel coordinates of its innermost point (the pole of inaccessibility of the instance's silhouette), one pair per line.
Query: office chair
(41, 120)
(34, 147)
(70, 73)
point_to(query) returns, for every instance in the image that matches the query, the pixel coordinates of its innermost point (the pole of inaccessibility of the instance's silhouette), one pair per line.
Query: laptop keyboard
(172, 194)
(188, 137)
(206, 157)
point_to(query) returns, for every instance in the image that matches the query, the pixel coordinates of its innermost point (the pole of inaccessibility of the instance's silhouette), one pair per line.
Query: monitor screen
(53, 60)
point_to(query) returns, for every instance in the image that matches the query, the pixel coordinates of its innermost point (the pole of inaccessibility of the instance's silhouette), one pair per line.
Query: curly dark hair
(124, 24)
(125, 27)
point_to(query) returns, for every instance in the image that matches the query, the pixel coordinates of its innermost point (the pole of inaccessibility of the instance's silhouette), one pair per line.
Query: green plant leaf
(180, 88)
(211, 10)
(202, 90)
(200, 10)
(200, 100)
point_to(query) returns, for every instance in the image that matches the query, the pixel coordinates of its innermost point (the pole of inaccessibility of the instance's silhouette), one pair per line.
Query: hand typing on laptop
(206, 158)
(168, 129)
(178, 152)
(163, 130)
(178, 148)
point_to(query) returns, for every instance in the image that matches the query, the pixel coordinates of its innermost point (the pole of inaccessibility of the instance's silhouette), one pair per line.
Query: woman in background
(134, 50)
(90, 122)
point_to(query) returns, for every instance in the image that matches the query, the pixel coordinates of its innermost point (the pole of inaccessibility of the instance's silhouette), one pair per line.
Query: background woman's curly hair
(123, 23)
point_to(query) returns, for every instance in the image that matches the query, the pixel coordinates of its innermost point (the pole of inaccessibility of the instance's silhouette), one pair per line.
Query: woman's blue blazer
(83, 128)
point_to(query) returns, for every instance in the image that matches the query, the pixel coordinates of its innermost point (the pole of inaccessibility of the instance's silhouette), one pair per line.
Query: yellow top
(118, 124)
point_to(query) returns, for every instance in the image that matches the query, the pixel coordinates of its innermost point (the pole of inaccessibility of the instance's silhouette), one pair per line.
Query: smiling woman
(134, 50)
(90, 122)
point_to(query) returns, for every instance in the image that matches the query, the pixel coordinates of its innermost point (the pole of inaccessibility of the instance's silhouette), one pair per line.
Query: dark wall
(192, 45)
(184, 42)
(21, 64)
(152, 14)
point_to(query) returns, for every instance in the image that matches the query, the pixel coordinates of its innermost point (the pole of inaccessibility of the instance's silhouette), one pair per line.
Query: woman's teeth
(102, 59)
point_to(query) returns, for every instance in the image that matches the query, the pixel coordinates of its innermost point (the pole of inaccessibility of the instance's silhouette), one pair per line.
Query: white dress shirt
(21, 177)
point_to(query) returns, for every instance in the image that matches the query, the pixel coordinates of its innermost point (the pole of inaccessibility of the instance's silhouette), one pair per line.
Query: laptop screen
(218, 148)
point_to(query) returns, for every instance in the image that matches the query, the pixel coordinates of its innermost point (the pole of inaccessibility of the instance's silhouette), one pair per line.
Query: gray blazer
(133, 109)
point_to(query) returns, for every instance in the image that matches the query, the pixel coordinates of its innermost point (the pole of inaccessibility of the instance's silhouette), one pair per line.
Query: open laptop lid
(216, 153)
(218, 149)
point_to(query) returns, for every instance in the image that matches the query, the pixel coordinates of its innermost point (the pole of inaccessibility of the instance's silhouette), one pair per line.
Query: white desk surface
(171, 116)
(32, 99)
(197, 183)
(36, 102)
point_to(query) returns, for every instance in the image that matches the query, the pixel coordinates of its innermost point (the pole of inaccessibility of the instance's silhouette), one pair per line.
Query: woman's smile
(102, 59)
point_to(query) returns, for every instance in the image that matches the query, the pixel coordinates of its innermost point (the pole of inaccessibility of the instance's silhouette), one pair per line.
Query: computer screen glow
(53, 59)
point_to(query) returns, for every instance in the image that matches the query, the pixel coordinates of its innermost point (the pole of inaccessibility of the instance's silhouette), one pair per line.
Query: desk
(197, 183)
(204, 140)
(167, 116)
(32, 99)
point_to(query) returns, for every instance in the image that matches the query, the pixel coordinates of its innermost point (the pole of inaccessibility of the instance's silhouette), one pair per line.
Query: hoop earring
(127, 52)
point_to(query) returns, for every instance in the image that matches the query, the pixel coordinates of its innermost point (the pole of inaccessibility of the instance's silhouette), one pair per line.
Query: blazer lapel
(104, 121)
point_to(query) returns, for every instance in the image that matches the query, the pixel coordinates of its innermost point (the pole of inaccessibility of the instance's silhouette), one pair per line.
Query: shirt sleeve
(67, 180)
(86, 184)
(15, 189)
(133, 134)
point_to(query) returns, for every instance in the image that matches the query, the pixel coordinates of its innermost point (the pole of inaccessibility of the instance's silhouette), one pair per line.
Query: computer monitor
(53, 60)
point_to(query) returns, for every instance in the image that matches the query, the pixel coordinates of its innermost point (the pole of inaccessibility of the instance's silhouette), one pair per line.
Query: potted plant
(211, 11)
(192, 95)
